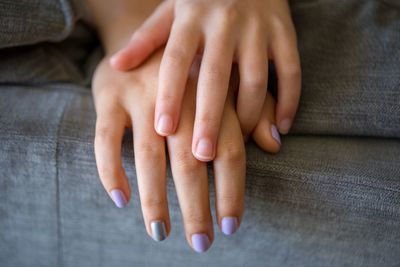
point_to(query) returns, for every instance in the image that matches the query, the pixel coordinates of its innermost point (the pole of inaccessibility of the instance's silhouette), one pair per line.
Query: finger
(177, 59)
(229, 173)
(108, 138)
(266, 134)
(287, 63)
(151, 35)
(191, 182)
(150, 162)
(211, 95)
(253, 68)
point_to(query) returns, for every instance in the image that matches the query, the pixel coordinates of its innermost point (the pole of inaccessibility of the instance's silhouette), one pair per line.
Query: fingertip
(275, 134)
(200, 242)
(165, 125)
(115, 61)
(159, 230)
(119, 197)
(204, 150)
(267, 138)
(284, 126)
(229, 225)
(120, 61)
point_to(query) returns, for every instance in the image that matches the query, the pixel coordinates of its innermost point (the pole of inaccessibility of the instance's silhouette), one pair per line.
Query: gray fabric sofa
(331, 197)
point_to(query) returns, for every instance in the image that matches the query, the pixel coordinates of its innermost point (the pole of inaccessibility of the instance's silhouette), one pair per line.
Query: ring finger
(149, 149)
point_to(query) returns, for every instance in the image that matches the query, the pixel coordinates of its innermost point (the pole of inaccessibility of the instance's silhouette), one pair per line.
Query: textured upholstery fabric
(322, 201)
(32, 21)
(350, 54)
(331, 197)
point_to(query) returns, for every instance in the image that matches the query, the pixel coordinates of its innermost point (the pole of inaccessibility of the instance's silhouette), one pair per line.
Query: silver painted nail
(158, 230)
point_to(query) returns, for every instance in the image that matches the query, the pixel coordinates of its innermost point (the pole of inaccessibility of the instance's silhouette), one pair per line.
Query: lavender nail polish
(119, 198)
(201, 242)
(275, 134)
(229, 225)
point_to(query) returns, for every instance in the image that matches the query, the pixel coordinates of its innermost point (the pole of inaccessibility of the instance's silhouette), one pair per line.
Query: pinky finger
(108, 138)
(287, 62)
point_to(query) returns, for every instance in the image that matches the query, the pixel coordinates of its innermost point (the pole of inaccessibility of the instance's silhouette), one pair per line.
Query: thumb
(266, 134)
(150, 36)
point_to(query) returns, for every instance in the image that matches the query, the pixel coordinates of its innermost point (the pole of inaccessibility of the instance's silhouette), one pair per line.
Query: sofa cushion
(322, 201)
(26, 22)
(350, 54)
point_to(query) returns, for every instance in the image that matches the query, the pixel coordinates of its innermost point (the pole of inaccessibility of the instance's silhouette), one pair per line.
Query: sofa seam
(60, 255)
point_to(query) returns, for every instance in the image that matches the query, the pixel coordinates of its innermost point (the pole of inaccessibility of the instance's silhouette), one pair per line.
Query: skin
(223, 31)
(127, 100)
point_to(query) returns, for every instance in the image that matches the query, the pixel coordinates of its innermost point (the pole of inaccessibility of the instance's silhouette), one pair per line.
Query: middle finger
(190, 176)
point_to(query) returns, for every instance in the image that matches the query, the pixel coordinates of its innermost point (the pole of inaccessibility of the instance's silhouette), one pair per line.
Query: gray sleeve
(32, 21)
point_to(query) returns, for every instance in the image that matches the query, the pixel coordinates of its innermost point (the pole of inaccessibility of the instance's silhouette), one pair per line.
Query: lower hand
(127, 100)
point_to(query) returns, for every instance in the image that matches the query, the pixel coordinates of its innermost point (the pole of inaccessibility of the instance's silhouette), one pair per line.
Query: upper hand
(248, 32)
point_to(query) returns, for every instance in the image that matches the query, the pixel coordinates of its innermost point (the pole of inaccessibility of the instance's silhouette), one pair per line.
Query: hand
(127, 100)
(248, 32)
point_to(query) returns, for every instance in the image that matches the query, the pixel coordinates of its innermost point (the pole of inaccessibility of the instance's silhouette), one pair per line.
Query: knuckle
(165, 96)
(280, 24)
(214, 72)
(230, 198)
(209, 120)
(256, 84)
(186, 163)
(103, 132)
(233, 154)
(227, 15)
(292, 70)
(174, 57)
(196, 219)
(106, 171)
(192, 9)
(152, 202)
(148, 151)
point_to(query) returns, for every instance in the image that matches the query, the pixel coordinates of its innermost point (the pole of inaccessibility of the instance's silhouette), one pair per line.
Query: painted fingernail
(229, 225)
(284, 126)
(158, 230)
(275, 134)
(165, 125)
(204, 149)
(201, 242)
(119, 198)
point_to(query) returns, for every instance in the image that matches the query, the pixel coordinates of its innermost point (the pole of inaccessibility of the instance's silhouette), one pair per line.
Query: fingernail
(119, 198)
(204, 149)
(229, 225)
(158, 230)
(284, 126)
(200, 242)
(165, 125)
(275, 134)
